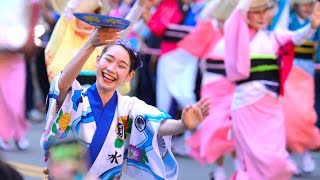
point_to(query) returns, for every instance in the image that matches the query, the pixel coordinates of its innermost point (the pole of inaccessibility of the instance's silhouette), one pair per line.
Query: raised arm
(134, 14)
(190, 118)
(305, 33)
(236, 34)
(99, 37)
(315, 17)
(301, 35)
(208, 9)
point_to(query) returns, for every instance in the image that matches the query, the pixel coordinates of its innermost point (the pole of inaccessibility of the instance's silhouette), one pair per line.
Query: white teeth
(108, 77)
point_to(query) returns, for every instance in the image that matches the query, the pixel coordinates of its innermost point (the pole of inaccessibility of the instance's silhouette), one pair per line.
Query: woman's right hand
(104, 36)
(315, 17)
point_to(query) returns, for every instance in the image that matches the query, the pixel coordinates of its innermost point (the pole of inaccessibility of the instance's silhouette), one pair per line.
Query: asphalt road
(30, 162)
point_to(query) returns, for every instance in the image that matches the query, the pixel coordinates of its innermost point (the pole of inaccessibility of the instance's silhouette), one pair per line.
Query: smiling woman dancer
(71, 33)
(123, 134)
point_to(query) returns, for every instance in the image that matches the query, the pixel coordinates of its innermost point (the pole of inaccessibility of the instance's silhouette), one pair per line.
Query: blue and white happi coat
(132, 144)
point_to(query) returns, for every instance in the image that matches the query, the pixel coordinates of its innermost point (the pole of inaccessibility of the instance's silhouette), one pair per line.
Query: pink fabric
(115, 12)
(300, 116)
(167, 46)
(260, 141)
(12, 96)
(239, 175)
(210, 141)
(167, 12)
(210, 53)
(203, 35)
(281, 37)
(237, 39)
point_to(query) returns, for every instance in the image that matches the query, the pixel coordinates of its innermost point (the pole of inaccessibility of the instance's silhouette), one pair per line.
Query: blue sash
(103, 117)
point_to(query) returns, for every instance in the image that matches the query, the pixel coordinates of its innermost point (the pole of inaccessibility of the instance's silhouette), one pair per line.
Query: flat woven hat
(302, 1)
(223, 10)
(255, 4)
(82, 6)
(58, 5)
(90, 6)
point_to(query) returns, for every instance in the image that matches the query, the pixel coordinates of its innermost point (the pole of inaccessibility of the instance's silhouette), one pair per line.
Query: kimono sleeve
(195, 43)
(149, 155)
(298, 37)
(236, 31)
(59, 117)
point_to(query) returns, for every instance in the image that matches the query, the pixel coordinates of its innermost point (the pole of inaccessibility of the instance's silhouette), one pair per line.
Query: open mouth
(108, 77)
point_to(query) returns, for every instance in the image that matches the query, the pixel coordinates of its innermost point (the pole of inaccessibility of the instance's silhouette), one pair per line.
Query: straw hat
(58, 5)
(223, 10)
(256, 4)
(86, 6)
(302, 1)
(82, 6)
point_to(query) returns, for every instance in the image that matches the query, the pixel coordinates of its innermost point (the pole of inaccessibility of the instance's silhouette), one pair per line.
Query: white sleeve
(303, 34)
(133, 16)
(68, 10)
(208, 9)
(283, 22)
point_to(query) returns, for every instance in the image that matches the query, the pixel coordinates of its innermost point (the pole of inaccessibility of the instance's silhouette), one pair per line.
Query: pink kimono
(211, 140)
(257, 117)
(13, 38)
(298, 104)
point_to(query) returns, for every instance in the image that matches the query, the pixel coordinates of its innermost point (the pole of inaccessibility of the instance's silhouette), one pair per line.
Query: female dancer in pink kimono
(123, 134)
(17, 21)
(212, 139)
(251, 62)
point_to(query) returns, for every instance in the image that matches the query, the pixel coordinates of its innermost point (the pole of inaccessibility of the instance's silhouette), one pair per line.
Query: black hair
(135, 61)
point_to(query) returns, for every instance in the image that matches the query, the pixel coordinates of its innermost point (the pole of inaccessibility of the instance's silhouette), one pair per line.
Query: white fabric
(141, 152)
(250, 92)
(14, 24)
(176, 77)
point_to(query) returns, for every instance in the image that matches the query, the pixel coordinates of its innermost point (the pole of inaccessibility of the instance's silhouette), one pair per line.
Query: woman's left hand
(193, 115)
(104, 36)
(315, 17)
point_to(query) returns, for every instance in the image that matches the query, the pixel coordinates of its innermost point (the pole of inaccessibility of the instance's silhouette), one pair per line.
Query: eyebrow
(122, 61)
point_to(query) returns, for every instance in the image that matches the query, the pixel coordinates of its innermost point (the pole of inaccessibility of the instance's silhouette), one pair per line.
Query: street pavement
(30, 162)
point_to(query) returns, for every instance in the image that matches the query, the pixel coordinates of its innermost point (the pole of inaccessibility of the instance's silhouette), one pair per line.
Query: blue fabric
(317, 79)
(317, 93)
(191, 18)
(55, 16)
(103, 117)
(275, 20)
(294, 22)
(307, 66)
(317, 38)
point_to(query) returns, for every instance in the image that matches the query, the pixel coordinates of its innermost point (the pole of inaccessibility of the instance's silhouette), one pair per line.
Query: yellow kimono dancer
(70, 34)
